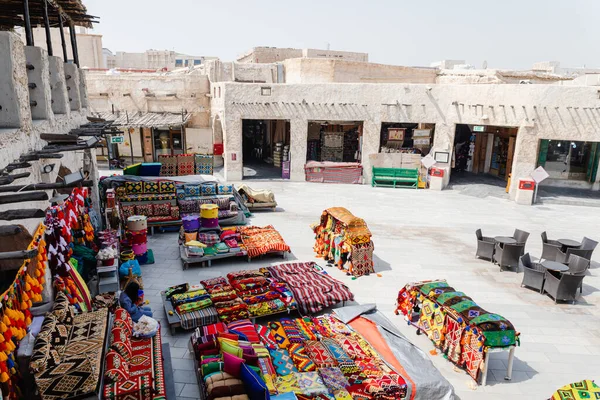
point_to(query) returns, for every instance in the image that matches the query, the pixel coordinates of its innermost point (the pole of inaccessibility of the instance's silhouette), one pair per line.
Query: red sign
(218, 149)
(233, 156)
(437, 172)
(526, 184)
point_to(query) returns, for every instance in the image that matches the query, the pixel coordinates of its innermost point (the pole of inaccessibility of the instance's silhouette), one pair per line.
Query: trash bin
(436, 179)
(525, 191)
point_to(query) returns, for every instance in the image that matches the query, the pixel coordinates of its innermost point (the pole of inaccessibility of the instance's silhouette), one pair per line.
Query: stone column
(232, 150)
(72, 79)
(14, 95)
(370, 145)
(525, 158)
(60, 99)
(40, 95)
(443, 141)
(298, 146)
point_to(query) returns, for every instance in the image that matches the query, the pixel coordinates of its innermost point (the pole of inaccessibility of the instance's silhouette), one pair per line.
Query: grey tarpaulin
(430, 384)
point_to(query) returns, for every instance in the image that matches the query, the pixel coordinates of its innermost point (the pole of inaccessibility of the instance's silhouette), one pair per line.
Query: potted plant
(107, 255)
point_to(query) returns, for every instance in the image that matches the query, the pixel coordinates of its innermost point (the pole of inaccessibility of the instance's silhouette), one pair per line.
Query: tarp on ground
(424, 381)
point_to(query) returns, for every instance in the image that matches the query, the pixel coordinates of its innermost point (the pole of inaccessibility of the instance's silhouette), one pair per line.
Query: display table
(333, 172)
(206, 316)
(205, 261)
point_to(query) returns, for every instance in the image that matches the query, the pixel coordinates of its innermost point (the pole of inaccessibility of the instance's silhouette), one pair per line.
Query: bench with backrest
(395, 177)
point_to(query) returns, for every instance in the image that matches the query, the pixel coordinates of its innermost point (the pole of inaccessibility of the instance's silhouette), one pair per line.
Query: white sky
(507, 33)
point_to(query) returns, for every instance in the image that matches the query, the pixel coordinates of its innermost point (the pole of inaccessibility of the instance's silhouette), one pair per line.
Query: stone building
(166, 60)
(264, 55)
(40, 96)
(89, 45)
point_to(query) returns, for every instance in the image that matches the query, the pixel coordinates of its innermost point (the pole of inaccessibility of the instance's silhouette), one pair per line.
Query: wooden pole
(43, 186)
(28, 31)
(10, 230)
(20, 197)
(19, 255)
(74, 44)
(47, 28)
(24, 213)
(62, 37)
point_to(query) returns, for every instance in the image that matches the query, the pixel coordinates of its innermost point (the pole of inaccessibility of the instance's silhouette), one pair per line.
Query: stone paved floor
(429, 235)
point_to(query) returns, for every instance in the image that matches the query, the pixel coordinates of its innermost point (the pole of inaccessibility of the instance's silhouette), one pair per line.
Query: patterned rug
(185, 164)
(169, 165)
(362, 259)
(204, 164)
(259, 241)
(583, 390)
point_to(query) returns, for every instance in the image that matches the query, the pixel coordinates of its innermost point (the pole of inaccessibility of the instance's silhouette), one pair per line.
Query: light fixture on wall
(46, 169)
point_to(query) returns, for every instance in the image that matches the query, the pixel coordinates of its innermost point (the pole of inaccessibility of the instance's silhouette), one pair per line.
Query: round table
(505, 240)
(569, 242)
(555, 266)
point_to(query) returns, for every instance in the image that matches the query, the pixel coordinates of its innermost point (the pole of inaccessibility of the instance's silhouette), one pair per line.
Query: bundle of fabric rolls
(226, 301)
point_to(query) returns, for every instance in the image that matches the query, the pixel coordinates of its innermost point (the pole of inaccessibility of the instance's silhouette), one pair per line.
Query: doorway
(265, 148)
(334, 141)
(168, 141)
(483, 149)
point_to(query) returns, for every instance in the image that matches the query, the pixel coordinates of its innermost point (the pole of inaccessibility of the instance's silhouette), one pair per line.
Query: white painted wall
(540, 112)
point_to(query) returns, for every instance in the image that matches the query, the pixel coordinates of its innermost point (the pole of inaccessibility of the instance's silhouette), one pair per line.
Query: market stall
(465, 332)
(311, 357)
(345, 241)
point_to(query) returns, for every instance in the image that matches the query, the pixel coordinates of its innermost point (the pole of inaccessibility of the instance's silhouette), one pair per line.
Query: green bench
(395, 177)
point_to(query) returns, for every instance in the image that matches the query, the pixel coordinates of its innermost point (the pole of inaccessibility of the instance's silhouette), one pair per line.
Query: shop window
(406, 138)
(333, 141)
(197, 62)
(179, 63)
(571, 160)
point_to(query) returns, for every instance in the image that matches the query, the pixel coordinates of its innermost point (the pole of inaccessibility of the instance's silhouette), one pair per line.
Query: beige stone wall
(89, 46)
(540, 112)
(311, 70)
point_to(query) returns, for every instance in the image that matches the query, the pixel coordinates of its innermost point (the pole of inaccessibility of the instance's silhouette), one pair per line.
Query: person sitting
(130, 301)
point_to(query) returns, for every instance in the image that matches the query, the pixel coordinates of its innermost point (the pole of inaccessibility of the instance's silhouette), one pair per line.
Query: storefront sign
(396, 133)
(421, 142)
(421, 133)
(117, 139)
(478, 128)
(539, 174)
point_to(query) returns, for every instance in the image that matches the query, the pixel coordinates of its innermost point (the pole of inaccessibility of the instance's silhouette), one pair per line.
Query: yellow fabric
(432, 321)
(195, 243)
(209, 211)
(583, 390)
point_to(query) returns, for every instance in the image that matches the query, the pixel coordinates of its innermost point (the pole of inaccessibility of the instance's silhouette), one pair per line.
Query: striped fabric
(312, 290)
(333, 172)
(203, 317)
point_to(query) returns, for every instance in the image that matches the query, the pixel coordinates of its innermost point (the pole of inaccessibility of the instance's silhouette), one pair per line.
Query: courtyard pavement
(422, 235)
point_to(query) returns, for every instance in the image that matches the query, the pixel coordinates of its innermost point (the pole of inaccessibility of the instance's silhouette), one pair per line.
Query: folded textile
(247, 328)
(333, 378)
(193, 306)
(300, 358)
(182, 288)
(319, 354)
(259, 298)
(204, 316)
(268, 373)
(291, 331)
(220, 288)
(233, 315)
(351, 347)
(260, 241)
(335, 325)
(311, 384)
(187, 297)
(344, 362)
(236, 302)
(210, 283)
(220, 297)
(279, 334)
(222, 248)
(287, 383)
(305, 326)
(245, 273)
(282, 361)
(267, 307)
(266, 336)
(388, 386)
(208, 238)
(369, 368)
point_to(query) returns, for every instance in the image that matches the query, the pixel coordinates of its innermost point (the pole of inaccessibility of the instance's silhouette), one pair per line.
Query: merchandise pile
(262, 240)
(455, 323)
(302, 358)
(193, 304)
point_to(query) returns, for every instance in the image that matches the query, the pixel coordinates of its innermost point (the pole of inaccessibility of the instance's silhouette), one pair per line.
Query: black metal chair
(485, 246)
(508, 256)
(585, 250)
(563, 287)
(533, 273)
(549, 248)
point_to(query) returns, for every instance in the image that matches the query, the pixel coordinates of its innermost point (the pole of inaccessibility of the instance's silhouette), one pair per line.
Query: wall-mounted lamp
(46, 169)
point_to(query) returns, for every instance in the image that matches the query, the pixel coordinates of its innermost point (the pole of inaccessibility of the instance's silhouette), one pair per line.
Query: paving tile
(183, 364)
(191, 390)
(184, 376)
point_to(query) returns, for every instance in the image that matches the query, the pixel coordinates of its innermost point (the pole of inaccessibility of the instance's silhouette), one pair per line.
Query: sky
(506, 34)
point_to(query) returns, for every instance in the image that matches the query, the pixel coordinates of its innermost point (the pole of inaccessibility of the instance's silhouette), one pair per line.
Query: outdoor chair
(585, 250)
(521, 238)
(533, 273)
(549, 248)
(578, 265)
(563, 287)
(485, 246)
(508, 256)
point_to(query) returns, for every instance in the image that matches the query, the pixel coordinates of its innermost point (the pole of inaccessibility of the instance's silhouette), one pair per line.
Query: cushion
(224, 188)
(333, 378)
(138, 387)
(227, 347)
(191, 190)
(163, 209)
(117, 368)
(175, 212)
(166, 186)
(134, 187)
(128, 211)
(123, 319)
(216, 377)
(287, 383)
(256, 389)
(188, 207)
(225, 388)
(121, 191)
(121, 343)
(211, 367)
(62, 309)
(151, 187)
(232, 364)
(144, 209)
(310, 383)
(282, 361)
(251, 359)
(180, 193)
(208, 188)
(300, 358)
(44, 355)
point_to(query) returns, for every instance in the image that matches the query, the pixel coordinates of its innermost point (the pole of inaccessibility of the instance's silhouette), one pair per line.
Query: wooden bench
(395, 177)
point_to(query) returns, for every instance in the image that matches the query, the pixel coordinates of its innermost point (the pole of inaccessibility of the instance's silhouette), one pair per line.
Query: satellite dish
(484, 64)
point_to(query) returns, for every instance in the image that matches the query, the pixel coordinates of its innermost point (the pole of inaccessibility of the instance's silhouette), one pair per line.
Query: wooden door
(147, 145)
(510, 156)
(479, 153)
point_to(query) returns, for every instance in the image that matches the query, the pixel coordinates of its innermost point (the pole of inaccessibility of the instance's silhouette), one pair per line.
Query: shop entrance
(334, 141)
(167, 142)
(569, 160)
(265, 148)
(483, 150)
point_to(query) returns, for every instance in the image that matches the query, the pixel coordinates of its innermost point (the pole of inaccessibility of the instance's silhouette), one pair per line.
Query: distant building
(89, 45)
(262, 55)
(153, 59)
